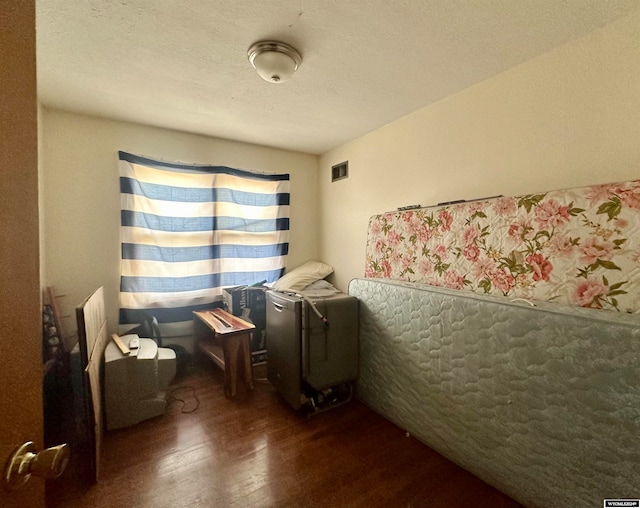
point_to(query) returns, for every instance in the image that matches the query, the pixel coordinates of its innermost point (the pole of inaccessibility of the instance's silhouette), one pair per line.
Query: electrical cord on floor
(171, 396)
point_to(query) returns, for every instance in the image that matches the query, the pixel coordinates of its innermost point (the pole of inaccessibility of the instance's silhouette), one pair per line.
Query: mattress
(543, 401)
(577, 246)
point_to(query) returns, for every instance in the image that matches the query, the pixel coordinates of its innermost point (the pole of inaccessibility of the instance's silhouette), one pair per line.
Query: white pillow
(303, 275)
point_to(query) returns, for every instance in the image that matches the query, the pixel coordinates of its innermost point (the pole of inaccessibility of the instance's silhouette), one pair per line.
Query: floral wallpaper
(578, 246)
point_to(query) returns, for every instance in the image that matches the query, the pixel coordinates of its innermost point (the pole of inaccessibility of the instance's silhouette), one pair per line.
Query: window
(189, 231)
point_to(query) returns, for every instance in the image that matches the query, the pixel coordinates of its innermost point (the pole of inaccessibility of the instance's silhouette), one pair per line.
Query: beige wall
(568, 118)
(82, 196)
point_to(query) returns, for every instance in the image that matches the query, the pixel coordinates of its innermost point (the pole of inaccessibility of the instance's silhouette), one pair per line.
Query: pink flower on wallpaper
(393, 238)
(482, 268)
(599, 193)
(408, 228)
(453, 280)
(594, 249)
(588, 294)
(414, 223)
(395, 258)
(440, 251)
(418, 228)
(561, 246)
(471, 208)
(425, 266)
(446, 219)
(621, 223)
(408, 216)
(505, 206)
(516, 231)
(407, 261)
(630, 197)
(376, 228)
(386, 268)
(380, 246)
(502, 280)
(471, 252)
(470, 235)
(423, 233)
(542, 267)
(549, 214)
(520, 231)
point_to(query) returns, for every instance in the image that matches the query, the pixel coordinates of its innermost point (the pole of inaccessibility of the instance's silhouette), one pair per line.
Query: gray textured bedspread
(542, 402)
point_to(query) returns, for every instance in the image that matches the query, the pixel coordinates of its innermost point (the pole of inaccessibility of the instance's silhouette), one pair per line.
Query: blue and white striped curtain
(189, 231)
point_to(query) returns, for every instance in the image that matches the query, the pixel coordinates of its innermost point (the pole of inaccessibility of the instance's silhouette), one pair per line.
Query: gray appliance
(312, 348)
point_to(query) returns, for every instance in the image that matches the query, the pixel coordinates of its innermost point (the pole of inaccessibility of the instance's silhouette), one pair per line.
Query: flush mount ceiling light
(275, 61)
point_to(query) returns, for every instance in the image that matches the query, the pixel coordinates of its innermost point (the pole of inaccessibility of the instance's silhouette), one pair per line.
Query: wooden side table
(228, 346)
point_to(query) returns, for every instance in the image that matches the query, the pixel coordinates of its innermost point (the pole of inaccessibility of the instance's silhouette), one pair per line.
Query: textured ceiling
(183, 64)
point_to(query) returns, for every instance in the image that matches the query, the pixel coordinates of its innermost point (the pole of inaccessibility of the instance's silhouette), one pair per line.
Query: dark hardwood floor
(256, 451)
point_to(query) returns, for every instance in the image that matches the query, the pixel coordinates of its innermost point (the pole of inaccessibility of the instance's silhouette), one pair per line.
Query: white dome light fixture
(274, 61)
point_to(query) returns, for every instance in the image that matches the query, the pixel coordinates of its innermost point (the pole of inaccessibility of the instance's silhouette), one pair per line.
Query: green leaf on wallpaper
(485, 284)
(608, 265)
(431, 222)
(574, 211)
(612, 208)
(542, 233)
(529, 201)
(441, 267)
(479, 214)
(513, 264)
(584, 272)
(614, 286)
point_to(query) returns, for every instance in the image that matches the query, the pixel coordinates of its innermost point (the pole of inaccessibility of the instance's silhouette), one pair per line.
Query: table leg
(230, 347)
(248, 368)
(237, 354)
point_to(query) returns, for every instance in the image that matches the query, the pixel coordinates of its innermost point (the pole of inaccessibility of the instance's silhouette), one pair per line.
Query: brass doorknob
(26, 460)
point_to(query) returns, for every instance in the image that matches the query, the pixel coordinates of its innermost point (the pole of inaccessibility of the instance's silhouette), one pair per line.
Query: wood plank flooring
(257, 452)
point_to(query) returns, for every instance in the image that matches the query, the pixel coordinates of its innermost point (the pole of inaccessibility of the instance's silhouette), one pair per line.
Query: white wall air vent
(340, 171)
